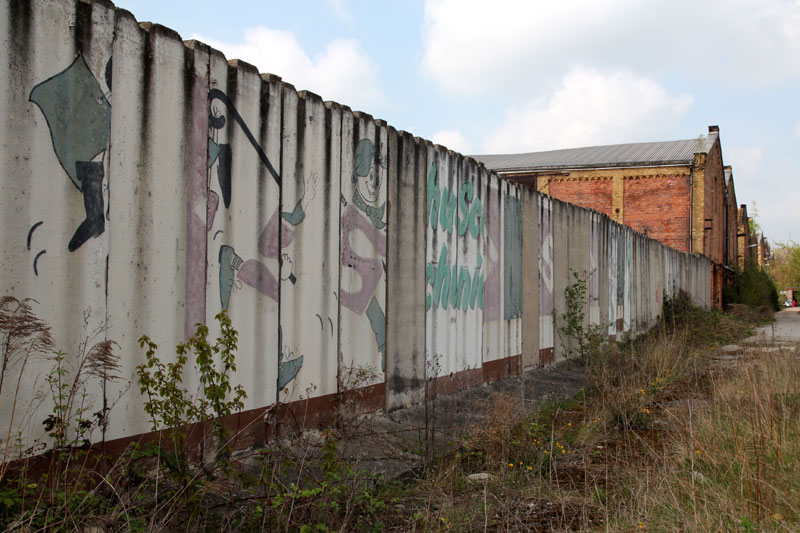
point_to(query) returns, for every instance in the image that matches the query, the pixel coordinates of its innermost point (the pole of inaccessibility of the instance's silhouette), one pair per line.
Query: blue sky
(516, 76)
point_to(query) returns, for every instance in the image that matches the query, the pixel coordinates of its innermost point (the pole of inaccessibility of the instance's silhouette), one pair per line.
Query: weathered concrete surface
(394, 444)
(785, 329)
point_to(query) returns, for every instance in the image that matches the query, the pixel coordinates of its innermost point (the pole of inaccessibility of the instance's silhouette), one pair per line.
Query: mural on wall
(628, 295)
(276, 234)
(620, 269)
(546, 294)
(594, 274)
(613, 275)
(78, 115)
(491, 287)
(454, 284)
(365, 214)
(512, 259)
(28, 246)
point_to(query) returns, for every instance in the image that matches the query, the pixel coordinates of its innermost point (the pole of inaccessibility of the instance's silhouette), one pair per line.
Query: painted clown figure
(364, 241)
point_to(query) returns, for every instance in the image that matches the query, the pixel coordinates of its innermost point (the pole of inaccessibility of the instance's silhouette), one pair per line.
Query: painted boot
(287, 368)
(90, 174)
(377, 321)
(229, 263)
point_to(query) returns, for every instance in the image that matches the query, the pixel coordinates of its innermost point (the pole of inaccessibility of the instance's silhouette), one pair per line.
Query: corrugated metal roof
(613, 155)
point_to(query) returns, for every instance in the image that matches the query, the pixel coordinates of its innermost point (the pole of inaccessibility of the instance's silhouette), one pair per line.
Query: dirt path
(785, 329)
(394, 444)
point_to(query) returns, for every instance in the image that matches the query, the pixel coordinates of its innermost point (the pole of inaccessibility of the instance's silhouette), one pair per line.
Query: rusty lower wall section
(149, 183)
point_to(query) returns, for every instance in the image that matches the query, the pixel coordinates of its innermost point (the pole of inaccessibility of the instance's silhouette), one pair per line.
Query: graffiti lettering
(442, 207)
(453, 283)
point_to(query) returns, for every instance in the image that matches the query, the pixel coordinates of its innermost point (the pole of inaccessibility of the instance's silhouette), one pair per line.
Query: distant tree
(755, 227)
(785, 265)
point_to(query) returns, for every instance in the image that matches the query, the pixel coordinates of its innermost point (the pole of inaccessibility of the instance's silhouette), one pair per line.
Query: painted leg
(256, 274)
(90, 174)
(211, 208)
(229, 262)
(377, 321)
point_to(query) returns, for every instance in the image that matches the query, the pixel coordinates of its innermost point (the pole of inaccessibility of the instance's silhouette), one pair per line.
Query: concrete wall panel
(405, 304)
(469, 229)
(149, 199)
(309, 270)
(561, 266)
(242, 215)
(579, 236)
(363, 227)
(529, 206)
(493, 325)
(594, 270)
(442, 259)
(627, 305)
(512, 269)
(546, 281)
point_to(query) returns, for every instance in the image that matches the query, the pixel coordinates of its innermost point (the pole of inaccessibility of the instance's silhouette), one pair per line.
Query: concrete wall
(149, 183)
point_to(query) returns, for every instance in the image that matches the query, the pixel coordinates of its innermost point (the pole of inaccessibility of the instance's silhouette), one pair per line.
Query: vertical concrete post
(529, 200)
(405, 256)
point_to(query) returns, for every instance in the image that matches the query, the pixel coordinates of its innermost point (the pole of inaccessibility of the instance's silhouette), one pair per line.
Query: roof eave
(637, 164)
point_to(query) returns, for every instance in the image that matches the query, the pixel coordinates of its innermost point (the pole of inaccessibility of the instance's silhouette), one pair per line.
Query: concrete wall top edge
(363, 116)
(243, 65)
(270, 78)
(309, 96)
(104, 3)
(120, 14)
(162, 31)
(407, 136)
(193, 44)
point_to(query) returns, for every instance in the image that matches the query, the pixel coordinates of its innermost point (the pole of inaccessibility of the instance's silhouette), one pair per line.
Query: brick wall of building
(732, 221)
(590, 193)
(714, 205)
(659, 207)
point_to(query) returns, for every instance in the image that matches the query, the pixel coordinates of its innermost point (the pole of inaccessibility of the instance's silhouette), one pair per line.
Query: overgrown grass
(734, 465)
(664, 437)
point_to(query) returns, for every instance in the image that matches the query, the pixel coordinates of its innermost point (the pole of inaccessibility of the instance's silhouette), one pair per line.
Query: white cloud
(452, 139)
(590, 107)
(746, 162)
(473, 46)
(343, 72)
(797, 130)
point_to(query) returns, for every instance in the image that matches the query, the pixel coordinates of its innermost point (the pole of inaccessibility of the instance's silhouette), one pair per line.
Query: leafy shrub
(753, 287)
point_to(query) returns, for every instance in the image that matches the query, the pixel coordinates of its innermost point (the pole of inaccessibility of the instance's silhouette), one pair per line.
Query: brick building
(677, 192)
(747, 241)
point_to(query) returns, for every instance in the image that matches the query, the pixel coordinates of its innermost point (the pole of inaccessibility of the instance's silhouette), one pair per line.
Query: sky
(529, 75)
